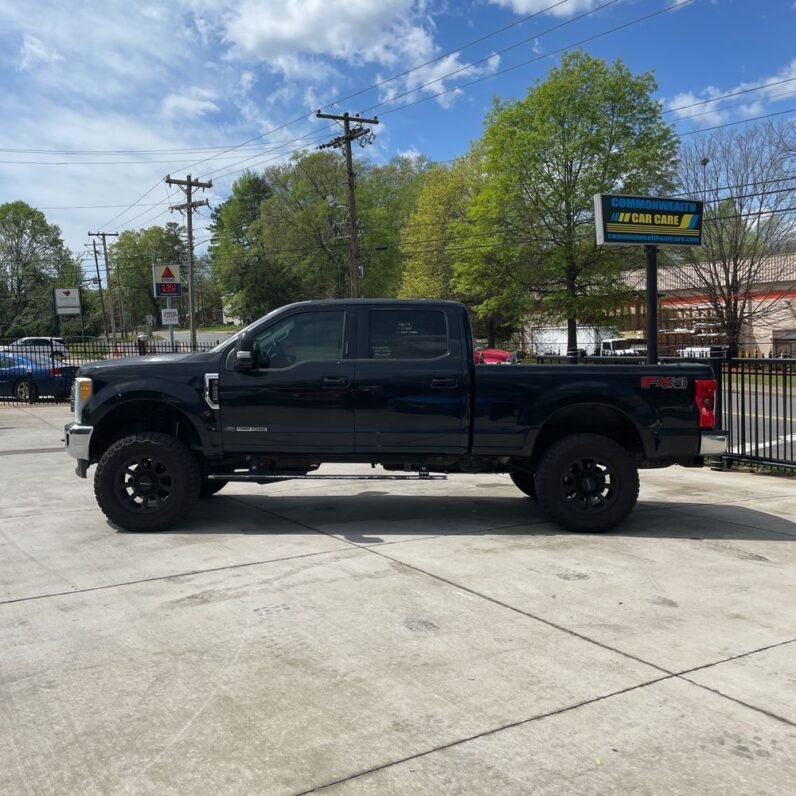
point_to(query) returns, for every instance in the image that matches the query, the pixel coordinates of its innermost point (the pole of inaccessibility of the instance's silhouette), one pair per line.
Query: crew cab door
(412, 381)
(298, 394)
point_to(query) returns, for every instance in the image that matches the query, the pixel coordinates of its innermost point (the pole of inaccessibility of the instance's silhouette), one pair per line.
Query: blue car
(28, 376)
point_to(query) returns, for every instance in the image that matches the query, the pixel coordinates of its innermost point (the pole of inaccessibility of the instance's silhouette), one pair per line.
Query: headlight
(82, 391)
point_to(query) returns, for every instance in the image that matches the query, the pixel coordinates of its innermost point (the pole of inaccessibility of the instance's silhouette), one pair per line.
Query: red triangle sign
(167, 273)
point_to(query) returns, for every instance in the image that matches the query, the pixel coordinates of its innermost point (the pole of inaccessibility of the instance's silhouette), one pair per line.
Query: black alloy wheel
(587, 482)
(147, 482)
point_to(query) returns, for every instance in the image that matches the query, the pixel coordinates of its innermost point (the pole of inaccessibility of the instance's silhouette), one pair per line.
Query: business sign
(170, 317)
(67, 301)
(166, 279)
(646, 220)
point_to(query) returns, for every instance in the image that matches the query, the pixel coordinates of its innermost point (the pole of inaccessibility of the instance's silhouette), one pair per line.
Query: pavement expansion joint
(169, 576)
(740, 702)
(21, 451)
(566, 709)
(486, 733)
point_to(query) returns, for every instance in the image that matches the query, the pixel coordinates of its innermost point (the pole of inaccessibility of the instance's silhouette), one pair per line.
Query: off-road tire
(587, 483)
(209, 488)
(525, 482)
(147, 482)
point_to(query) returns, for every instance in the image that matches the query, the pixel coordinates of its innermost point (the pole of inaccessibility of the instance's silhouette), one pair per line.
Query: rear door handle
(444, 384)
(334, 381)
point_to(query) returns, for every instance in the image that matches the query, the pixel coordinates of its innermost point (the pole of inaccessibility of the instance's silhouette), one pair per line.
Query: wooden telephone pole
(105, 235)
(343, 141)
(188, 185)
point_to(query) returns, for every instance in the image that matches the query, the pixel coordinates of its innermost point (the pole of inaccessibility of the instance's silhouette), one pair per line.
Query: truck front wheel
(147, 482)
(587, 482)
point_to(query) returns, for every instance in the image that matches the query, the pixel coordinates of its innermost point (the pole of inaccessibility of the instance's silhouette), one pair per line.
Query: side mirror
(244, 353)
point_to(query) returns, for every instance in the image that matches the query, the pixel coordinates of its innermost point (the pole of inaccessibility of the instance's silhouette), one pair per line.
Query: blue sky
(98, 96)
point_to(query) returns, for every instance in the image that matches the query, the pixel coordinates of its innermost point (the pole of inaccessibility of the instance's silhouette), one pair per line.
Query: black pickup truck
(385, 382)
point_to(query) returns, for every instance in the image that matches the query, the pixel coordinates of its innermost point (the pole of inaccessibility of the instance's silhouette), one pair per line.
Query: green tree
(589, 128)
(451, 253)
(386, 196)
(299, 239)
(33, 261)
(234, 259)
(430, 232)
(131, 257)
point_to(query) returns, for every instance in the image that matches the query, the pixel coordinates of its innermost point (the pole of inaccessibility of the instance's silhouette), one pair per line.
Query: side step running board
(263, 478)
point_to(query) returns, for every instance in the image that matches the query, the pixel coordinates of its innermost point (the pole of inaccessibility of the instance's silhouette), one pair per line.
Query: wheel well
(592, 419)
(142, 416)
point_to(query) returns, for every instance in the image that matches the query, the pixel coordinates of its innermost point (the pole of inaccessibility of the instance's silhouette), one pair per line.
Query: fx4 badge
(664, 382)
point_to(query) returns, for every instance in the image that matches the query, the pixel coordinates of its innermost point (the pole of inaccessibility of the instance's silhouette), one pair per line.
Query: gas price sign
(166, 279)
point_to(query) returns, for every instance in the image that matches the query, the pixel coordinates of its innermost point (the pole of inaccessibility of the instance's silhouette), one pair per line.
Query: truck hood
(109, 368)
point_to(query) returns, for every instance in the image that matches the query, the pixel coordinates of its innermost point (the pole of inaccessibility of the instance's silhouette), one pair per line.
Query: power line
(740, 121)
(734, 105)
(635, 21)
(731, 94)
(143, 196)
(315, 137)
(299, 118)
(498, 52)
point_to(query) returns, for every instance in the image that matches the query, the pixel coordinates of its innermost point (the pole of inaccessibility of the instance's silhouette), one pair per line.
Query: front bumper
(712, 443)
(77, 441)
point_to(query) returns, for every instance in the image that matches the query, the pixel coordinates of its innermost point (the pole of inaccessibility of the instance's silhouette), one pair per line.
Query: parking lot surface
(393, 637)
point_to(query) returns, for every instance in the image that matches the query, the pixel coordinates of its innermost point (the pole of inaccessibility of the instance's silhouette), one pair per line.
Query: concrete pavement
(366, 637)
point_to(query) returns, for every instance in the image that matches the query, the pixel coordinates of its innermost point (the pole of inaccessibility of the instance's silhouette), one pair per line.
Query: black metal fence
(36, 370)
(758, 402)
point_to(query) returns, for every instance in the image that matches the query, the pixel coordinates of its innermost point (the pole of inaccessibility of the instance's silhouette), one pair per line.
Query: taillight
(705, 397)
(55, 373)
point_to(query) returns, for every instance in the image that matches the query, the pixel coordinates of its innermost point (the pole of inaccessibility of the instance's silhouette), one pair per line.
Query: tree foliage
(33, 261)
(741, 177)
(589, 128)
(132, 257)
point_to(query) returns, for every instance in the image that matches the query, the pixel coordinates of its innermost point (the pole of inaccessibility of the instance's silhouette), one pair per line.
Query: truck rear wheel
(147, 482)
(525, 482)
(587, 482)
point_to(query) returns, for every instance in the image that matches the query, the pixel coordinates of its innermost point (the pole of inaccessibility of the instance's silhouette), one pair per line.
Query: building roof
(775, 269)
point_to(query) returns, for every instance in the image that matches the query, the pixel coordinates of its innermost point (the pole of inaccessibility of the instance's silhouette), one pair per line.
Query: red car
(494, 356)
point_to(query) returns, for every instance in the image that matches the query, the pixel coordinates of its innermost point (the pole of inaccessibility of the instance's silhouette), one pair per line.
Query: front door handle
(334, 381)
(444, 384)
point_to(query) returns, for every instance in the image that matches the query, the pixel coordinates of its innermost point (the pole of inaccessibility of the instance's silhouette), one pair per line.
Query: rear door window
(407, 334)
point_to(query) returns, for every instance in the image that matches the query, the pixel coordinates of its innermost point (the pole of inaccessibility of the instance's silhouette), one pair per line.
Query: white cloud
(349, 30)
(195, 102)
(412, 153)
(34, 51)
(567, 9)
(752, 102)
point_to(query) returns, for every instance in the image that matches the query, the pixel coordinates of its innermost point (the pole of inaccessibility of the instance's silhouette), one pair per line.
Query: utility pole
(366, 136)
(102, 298)
(105, 235)
(188, 185)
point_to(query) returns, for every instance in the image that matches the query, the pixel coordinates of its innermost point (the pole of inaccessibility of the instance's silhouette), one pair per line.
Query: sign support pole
(651, 253)
(171, 326)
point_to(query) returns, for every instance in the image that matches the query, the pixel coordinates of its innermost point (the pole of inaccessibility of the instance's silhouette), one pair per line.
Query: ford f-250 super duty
(386, 382)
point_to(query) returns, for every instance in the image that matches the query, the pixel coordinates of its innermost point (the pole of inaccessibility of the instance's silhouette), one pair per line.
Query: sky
(101, 100)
